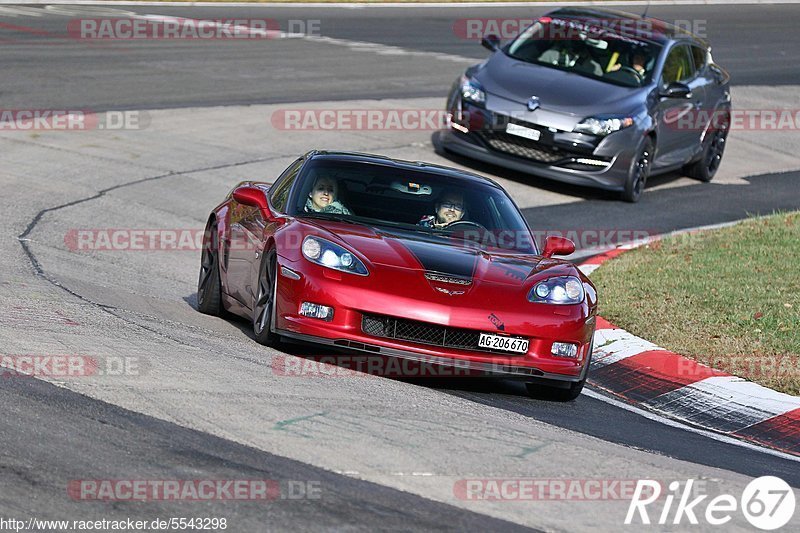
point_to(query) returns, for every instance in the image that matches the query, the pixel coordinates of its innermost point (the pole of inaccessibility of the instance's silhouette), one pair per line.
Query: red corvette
(400, 259)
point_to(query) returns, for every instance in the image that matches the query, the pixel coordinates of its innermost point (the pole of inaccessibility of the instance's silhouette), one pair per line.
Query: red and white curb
(671, 385)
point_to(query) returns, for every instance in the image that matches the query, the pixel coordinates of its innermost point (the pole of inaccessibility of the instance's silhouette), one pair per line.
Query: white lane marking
(672, 423)
(63, 10)
(603, 336)
(614, 345)
(98, 11)
(270, 34)
(385, 49)
(356, 473)
(356, 46)
(591, 252)
(353, 473)
(729, 401)
(16, 11)
(588, 269)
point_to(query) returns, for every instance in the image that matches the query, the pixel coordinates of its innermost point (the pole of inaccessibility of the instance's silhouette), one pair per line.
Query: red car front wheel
(264, 305)
(209, 298)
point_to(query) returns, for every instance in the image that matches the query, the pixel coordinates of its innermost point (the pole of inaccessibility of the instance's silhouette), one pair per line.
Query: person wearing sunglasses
(449, 208)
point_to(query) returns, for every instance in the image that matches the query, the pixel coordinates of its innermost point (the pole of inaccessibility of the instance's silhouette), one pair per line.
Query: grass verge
(729, 298)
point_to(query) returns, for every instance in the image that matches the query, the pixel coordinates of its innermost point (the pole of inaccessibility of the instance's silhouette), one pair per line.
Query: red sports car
(400, 259)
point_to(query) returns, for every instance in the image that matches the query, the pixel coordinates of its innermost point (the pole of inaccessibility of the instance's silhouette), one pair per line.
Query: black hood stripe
(443, 259)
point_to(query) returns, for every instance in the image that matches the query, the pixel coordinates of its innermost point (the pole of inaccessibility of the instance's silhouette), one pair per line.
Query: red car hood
(410, 250)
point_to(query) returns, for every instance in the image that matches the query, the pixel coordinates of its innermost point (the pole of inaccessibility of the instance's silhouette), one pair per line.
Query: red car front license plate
(501, 342)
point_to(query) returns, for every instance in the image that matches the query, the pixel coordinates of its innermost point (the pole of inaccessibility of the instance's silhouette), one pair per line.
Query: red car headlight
(325, 253)
(560, 290)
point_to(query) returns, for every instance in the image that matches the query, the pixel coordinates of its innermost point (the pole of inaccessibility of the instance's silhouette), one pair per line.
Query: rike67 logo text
(767, 503)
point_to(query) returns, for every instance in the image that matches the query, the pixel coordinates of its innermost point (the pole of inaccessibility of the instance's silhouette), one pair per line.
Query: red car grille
(423, 333)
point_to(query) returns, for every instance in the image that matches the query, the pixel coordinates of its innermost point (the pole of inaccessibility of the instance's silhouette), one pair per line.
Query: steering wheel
(465, 223)
(631, 70)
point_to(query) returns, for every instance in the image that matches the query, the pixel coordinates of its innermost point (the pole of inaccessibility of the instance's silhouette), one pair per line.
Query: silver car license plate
(522, 131)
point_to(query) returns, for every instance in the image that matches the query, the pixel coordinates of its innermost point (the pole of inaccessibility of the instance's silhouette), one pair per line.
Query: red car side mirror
(255, 197)
(558, 246)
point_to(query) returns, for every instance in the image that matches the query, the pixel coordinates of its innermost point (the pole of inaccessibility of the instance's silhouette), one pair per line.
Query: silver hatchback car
(594, 97)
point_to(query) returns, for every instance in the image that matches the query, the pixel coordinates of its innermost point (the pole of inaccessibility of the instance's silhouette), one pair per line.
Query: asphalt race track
(203, 400)
(754, 42)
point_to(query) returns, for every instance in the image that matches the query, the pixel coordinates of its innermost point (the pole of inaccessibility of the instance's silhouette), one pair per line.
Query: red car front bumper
(407, 295)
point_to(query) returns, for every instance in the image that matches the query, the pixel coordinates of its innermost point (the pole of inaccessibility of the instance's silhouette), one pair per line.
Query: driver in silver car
(638, 64)
(573, 56)
(449, 208)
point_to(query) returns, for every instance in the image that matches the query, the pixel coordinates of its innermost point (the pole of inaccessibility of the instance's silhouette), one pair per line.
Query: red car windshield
(373, 194)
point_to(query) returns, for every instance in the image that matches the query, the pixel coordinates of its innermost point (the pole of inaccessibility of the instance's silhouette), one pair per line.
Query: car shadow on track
(578, 191)
(676, 208)
(441, 380)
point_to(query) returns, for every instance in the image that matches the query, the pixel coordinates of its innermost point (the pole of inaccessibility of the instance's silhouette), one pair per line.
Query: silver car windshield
(586, 50)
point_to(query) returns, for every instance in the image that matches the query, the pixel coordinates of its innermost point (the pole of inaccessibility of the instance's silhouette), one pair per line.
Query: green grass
(729, 298)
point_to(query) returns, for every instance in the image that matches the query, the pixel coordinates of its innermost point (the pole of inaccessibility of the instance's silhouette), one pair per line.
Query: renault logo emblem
(533, 103)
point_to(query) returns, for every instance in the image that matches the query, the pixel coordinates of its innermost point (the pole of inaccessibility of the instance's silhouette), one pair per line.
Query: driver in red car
(323, 198)
(449, 209)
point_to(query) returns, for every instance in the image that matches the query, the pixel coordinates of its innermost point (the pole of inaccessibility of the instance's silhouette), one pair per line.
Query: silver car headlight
(472, 91)
(328, 254)
(602, 125)
(560, 290)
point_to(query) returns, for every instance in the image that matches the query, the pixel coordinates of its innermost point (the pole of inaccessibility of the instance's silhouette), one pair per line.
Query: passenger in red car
(322, 198)
(449, 208)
